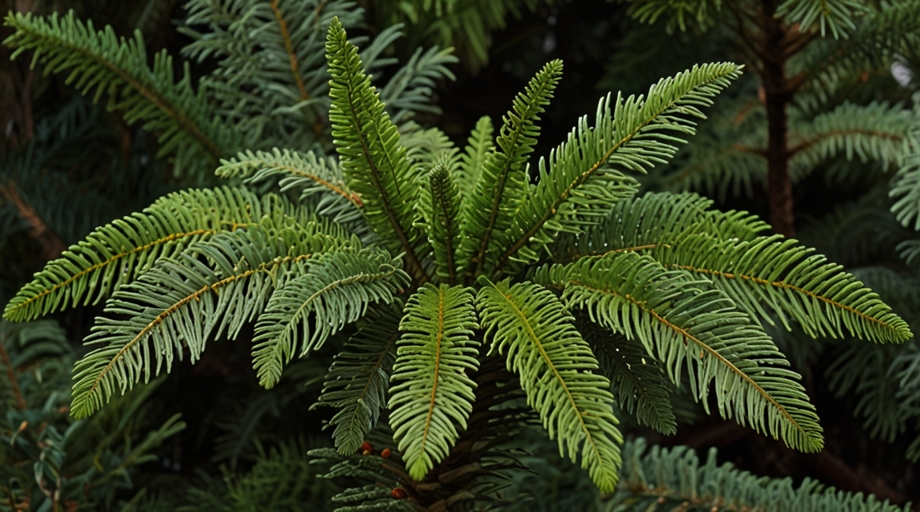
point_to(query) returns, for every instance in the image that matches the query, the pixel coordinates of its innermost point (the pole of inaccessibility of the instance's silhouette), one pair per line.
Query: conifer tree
(463, 301)
(475, 278)
(810, 59)
(823, 71)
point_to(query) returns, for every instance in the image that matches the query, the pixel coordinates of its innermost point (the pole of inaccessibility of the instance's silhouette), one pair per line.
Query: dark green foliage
(907, 188)
(77, 132)
(358, 381)
(271, 81)
(283, 479)
(728, 159)
(906, 369)
(101, 63)
(249, 417)
(380, 474)
(46, 457)
(270, 87)
(828, 119)
(889, 29)
(676, 477)
(639, 382)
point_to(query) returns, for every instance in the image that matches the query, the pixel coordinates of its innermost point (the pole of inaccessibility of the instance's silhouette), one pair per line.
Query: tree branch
(52, 246)
(805, 144)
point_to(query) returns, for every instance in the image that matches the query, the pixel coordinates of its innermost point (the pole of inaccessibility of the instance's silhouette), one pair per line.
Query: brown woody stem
(777, 94)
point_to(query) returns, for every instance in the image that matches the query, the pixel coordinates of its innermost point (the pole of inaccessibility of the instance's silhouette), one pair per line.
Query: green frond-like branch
(432, 396)
(584, 176)
(764, 275)
(372, 470)
(427, 148)
(669, 478)
(556, 367)
(441, 212)
(374, 162)
(503, 180)
(477, 150)
(641, 224)
(358, 380)
(719, 168)
(640, 386)
(727, 154)
(906, 189)
(874, 132)
(118, 68)
(181, 302)
(781, 274)
(410, 89)
(695, 330)
(117, 253)
(837, 15)
(332, 291)
(311, 175)
(269, 77)
(880, 35)
(371, 498)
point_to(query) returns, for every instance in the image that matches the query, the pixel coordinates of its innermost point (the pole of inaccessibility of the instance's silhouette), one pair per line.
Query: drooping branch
(289, 47)
(295, 66)
(807, 143)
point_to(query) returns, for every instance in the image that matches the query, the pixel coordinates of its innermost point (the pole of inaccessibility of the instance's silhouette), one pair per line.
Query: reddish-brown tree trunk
(777, 93)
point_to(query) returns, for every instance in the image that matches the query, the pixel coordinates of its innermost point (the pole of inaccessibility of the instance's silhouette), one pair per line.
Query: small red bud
(398, 493)
(385, 453)
(366, 447)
